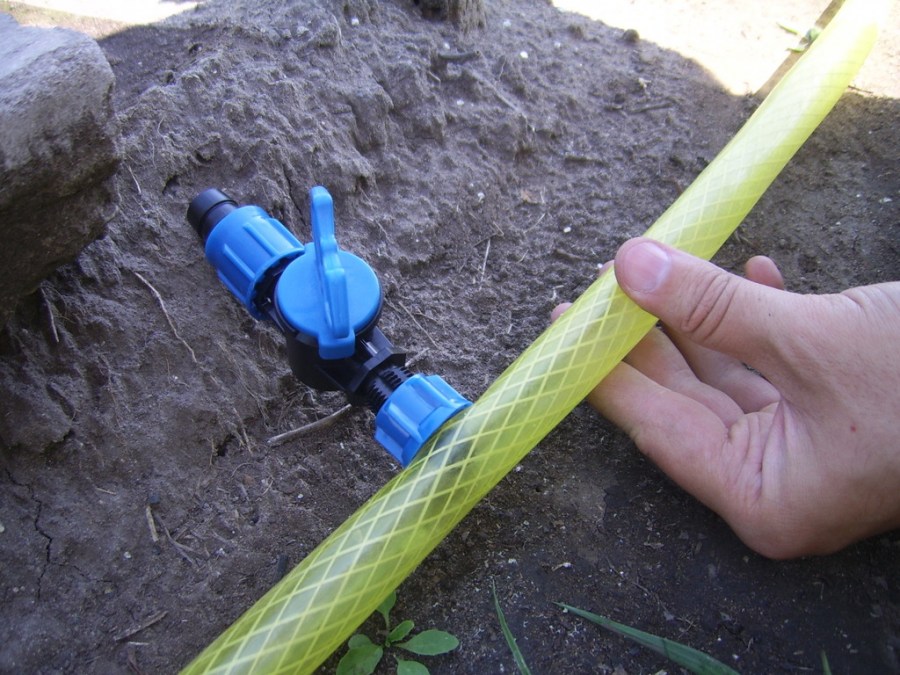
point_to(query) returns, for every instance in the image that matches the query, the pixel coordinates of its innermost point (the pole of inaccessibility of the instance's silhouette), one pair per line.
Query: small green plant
(806, 39)
(363, 655)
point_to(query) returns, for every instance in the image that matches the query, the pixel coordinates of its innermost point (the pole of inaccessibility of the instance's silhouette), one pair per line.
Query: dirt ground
(483, 175)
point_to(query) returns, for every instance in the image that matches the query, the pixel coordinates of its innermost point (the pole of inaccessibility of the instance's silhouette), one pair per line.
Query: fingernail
(644, 267)
(558, 311)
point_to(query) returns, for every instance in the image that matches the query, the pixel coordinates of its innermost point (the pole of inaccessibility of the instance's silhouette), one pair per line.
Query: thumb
(702, 302)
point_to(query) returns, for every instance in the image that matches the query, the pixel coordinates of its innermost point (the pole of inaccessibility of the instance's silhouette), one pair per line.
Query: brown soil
(141, 509)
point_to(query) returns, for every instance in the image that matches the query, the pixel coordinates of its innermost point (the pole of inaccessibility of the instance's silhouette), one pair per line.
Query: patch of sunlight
(739, 43)
(132, 12)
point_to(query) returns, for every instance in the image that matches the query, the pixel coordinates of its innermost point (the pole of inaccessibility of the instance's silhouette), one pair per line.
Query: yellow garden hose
(302, 620)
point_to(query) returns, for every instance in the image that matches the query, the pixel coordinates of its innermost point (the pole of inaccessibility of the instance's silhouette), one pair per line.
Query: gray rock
(57, 152)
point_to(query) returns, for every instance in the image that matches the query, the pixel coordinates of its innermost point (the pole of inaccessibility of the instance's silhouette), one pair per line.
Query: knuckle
(710, 308)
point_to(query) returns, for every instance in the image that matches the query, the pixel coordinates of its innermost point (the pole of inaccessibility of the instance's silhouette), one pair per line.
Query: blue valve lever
(328, 294)
(332, 277)
(326, 301)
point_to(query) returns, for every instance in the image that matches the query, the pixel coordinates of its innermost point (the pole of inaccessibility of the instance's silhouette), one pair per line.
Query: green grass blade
(687, 657)
(510, 638)
(826, 667)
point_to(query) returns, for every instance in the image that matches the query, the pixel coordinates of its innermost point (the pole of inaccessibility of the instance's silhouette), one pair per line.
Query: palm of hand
(804, 460)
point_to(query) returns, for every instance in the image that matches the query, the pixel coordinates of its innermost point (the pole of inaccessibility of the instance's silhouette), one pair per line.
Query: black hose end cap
(207, 209)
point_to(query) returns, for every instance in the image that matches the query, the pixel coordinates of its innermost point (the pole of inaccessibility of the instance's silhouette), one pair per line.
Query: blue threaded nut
(414, 411)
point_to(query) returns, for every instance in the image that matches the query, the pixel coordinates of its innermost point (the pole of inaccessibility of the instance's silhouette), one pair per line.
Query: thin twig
(328, 420)
(244, 436)
(134, 630)
(487, 250)
(793, 56)
(418, 357)
(154, 535)
(458, 57)
(418, 325)
(51, 315)
(496, 92)
(134, 178)
(180, 549)
(659, 105)
(309, 428)
(162, 306)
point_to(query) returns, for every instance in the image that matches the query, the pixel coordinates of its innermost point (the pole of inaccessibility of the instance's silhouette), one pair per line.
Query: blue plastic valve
(328, 295)
(327, 302)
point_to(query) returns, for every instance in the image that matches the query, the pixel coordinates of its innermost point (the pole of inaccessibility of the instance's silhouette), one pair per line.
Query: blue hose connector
(413, 412)
(247, 247)
(327, 302)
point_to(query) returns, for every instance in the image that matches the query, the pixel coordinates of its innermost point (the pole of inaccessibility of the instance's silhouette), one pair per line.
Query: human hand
(800, 457)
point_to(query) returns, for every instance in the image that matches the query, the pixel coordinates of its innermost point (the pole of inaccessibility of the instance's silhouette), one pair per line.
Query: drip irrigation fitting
(326, 302)
(315, 608)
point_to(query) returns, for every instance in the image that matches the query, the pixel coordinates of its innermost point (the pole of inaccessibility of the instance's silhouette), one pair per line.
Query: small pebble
(631, 36)
(281, 566)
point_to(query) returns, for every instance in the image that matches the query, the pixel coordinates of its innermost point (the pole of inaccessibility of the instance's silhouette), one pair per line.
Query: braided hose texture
(296, 625)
